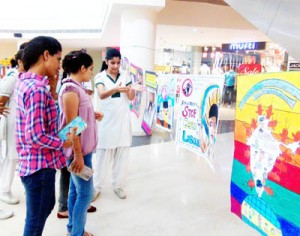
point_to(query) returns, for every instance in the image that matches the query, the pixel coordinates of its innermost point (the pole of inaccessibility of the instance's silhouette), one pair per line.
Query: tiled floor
(160, 136)
(171, 192)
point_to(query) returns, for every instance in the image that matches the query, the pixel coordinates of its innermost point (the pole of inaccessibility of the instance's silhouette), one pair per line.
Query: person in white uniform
(4, 214)
(114, 132)
(9, 156)
(88, 87)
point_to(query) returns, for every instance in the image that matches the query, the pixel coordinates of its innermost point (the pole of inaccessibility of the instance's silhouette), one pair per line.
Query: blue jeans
(64, 184)
(40, 200)
(80, 196)
(228, 91)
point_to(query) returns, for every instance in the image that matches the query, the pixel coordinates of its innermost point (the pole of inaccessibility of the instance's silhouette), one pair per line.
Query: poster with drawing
(148, 117)
(265, 189)
(125, 65)
(165, 97)
(198, 113)
(136, 74)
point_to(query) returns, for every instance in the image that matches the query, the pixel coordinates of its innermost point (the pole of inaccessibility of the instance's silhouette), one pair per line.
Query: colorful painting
(165, 97)
(125, 64)
(149, 112)
(266, 166)
(136, 74)
(198, 113)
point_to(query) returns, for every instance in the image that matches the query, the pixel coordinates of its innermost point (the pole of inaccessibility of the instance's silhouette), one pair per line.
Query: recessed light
(18, 35)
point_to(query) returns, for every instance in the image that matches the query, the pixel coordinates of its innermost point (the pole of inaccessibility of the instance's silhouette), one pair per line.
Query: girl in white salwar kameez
(9, 155)
(114, 132)
(4, 214)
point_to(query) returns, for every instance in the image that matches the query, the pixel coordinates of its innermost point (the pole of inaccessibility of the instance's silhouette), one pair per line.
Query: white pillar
(137, 43)
(138, 32)
(196, 60)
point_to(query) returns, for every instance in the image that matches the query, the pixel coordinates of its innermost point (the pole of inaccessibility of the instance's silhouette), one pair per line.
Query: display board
(198, 113)
(137, 79)
(148, 117)
(265, 182)
(165, 97)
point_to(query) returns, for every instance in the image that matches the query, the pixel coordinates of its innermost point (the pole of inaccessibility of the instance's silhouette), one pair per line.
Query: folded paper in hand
(77, 122)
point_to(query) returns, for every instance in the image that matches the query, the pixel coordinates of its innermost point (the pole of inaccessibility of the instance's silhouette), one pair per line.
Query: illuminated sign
(159, 68)
(233, 47)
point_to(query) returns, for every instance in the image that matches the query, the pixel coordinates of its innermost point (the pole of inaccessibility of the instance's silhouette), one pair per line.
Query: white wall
(8, 49)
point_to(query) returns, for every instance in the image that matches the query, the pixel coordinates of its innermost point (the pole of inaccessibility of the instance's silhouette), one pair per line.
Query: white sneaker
(96, 194)
(120, 193)
(8, 198)
(5, 214)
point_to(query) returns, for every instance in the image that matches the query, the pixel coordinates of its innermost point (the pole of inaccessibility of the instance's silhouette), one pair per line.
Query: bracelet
(78, 154)
(71, 141)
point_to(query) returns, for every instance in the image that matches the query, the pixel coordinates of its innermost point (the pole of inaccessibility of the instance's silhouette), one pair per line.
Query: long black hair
(13, 63)
(110, 54)
(36, 47)
(213, 111)
(19, 55)
(74, 60)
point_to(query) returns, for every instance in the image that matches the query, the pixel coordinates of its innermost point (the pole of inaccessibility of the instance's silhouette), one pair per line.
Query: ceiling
(193, 23)
(216, 2)
(277, 19)
(180, 22)
(203, 24)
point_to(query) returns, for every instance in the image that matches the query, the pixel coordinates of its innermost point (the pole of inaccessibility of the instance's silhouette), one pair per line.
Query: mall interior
(170, 190)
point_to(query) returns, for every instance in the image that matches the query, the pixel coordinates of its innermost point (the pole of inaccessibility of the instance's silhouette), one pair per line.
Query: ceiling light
(18, 35)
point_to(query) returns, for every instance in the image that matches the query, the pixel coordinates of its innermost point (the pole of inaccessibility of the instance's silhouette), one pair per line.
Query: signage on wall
(233, 47)
(161, 68)
(250, 68)
(294, 66)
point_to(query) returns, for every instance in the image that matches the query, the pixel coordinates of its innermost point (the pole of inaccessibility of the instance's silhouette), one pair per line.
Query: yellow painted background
(286, 117)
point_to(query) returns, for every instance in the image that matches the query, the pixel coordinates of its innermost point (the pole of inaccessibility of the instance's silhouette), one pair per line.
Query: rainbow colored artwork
(265, 182)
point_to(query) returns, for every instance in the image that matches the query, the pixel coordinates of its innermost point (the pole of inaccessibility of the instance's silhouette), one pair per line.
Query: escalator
(278, 19)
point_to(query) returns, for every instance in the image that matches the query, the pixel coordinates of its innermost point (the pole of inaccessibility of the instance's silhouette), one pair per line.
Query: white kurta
(7, 89)
(114, 134)
(115, 128)
(7, 133)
